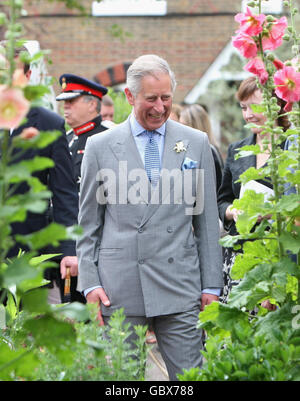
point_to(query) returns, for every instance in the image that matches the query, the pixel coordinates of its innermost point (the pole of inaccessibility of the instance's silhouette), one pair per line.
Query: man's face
(107, 112)
(152, 105)
(77, 111)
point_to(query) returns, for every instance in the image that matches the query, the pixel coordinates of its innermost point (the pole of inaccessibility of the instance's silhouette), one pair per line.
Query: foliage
(121, 106)
(245, 340)
(79, 351)
(39, 341)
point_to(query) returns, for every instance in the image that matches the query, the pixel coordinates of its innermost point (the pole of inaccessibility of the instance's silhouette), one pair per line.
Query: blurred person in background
(195, 116)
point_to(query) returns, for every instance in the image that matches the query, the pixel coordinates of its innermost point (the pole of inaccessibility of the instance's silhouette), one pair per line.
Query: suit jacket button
(141, 261)
(140, 230)
(169, 229)
(171, 260)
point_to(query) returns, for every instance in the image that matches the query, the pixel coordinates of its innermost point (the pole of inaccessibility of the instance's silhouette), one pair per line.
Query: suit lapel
(125, 150)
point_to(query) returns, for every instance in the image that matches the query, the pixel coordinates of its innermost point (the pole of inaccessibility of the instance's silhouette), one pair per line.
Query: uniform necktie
(152, 159)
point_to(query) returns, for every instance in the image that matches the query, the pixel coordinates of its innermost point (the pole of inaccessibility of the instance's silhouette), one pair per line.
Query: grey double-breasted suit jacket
(152, 258)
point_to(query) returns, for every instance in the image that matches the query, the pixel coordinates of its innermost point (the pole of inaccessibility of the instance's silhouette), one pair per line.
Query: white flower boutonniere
(179, 147)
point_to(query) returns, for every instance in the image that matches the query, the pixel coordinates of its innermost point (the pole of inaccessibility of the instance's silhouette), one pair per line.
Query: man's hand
(207, 299)
(98, 296)
(69, 262)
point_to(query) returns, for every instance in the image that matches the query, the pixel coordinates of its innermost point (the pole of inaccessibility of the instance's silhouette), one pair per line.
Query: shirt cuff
(85, 292)
(213, 291)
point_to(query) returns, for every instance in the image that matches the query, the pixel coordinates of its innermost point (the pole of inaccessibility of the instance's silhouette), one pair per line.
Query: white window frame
(108, 8)
(267, 7)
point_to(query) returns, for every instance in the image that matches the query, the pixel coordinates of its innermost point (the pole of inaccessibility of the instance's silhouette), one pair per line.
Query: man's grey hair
(90, 98)
(149, 64)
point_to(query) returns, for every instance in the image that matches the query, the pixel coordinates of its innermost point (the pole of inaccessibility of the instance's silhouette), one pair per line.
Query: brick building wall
(190, 37)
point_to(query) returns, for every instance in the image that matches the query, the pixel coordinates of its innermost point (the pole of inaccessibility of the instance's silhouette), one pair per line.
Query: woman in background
(195, 116)
(247, 94)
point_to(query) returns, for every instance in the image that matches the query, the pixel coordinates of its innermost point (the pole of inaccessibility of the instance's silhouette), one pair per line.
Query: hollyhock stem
(11, 42)
(4, 151)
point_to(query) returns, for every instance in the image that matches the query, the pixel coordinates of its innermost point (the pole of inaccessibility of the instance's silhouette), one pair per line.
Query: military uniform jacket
(78, 141)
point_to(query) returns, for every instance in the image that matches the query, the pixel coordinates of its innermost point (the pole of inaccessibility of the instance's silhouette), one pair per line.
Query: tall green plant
(32, 332)
(21, 277)
(265, 346)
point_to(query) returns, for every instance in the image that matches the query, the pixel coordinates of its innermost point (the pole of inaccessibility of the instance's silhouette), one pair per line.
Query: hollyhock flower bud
(13, 107)
(245, 44)
(250, 24)
(278, 64)
(256, 66)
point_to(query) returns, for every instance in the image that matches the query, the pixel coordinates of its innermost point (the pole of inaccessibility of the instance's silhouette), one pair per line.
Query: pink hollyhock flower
(295, 62)
(250, 24)
(288, 106)
(245, 44)
(29, 133)
(256, 66)
(13, 107)
(287, 81)
(272, 36)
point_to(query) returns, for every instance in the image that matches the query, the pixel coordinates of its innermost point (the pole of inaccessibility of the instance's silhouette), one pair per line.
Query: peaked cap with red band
(74, 86)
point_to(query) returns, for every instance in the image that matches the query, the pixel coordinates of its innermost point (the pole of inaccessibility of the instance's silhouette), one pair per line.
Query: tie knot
(150, 133)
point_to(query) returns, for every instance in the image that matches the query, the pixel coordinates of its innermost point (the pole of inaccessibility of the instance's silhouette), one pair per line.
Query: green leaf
(74, 310)
(37, 260)
(19, 364)
(32, 92)
(38, 142)
(276, 322)
(258, 108)
(11, 306)
(52, 234)
(56, 335)
(254, 253)
(22, 171)
(36, 301)
(19, 270)
(247, 150)
(288, 203)
(210, 313)
(251, 174)
(252, 205)
(290, 241)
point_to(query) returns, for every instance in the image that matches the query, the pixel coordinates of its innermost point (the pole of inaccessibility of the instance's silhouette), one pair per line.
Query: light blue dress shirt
(141, 139)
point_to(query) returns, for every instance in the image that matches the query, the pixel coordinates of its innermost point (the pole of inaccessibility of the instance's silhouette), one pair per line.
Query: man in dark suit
(82, 104)
(61, 183)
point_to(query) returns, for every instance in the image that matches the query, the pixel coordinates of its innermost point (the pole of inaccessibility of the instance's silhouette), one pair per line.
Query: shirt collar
(137, 129)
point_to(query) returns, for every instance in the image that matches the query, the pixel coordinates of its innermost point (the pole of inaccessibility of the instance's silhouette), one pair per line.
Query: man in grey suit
(149, 214)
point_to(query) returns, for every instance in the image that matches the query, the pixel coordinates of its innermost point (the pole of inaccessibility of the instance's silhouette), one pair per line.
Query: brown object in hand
(67, 288)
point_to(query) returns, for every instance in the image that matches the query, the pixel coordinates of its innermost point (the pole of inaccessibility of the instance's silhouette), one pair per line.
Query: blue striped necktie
(152, 159)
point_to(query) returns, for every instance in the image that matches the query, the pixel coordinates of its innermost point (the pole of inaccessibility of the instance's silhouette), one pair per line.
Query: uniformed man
(82, 104)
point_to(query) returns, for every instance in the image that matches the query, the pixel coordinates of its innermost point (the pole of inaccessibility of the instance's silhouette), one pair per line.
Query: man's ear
(129, 96)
